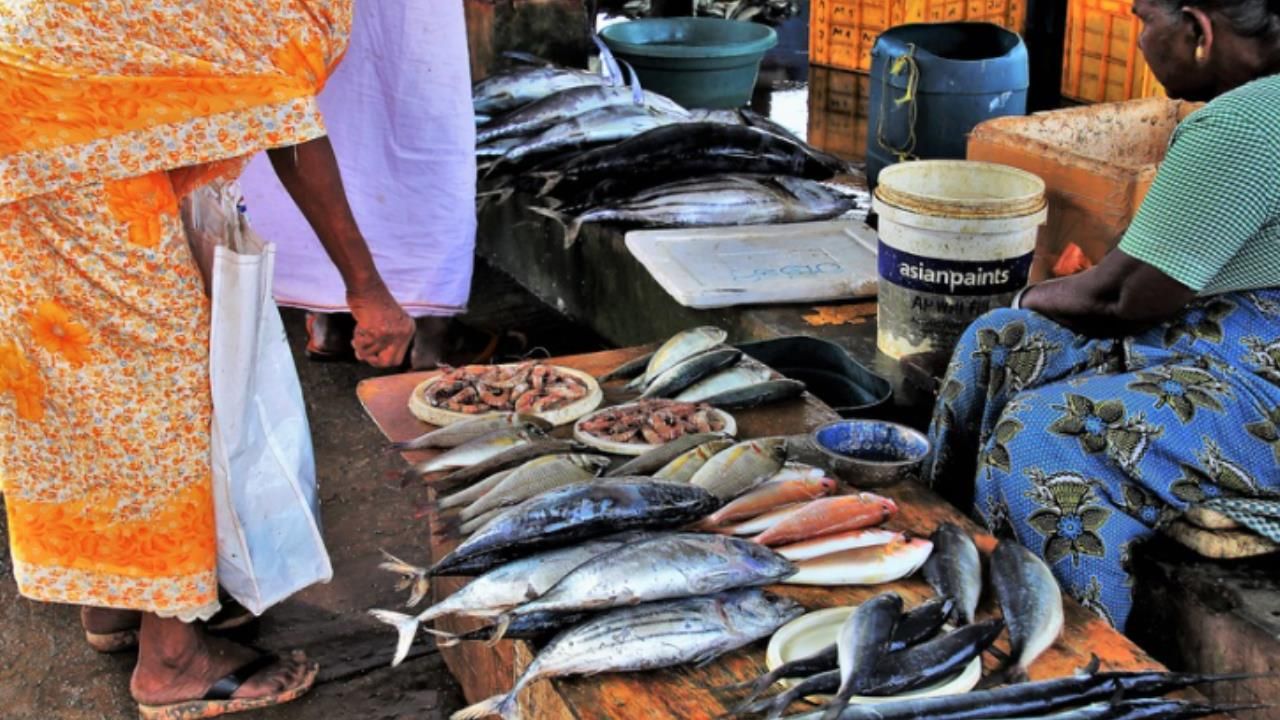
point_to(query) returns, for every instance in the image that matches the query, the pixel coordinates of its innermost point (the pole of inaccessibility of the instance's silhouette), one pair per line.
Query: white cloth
(399, 114)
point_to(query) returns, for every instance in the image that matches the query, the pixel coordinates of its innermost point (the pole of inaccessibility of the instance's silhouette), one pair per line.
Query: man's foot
(429, 342)
(179, 665)
(329, 336)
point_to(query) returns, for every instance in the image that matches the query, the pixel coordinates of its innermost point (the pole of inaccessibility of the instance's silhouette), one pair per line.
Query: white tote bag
(264, 479)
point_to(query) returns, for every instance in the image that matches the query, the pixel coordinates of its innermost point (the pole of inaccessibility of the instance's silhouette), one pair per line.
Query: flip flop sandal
(232, 616)
(218, 700)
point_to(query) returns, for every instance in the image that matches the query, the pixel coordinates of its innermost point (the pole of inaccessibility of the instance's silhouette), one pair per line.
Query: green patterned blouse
(1212, 218)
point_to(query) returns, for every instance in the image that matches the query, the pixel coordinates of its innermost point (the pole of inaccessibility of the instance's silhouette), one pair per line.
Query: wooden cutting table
(690, 693)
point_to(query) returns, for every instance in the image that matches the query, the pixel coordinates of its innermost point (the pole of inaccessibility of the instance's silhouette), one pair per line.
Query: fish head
(533, 422)
(764, 561)
(774, 447)
(824, 485)
(758, 611)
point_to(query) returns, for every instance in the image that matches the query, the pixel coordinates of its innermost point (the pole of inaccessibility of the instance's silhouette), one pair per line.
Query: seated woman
(1109, 402)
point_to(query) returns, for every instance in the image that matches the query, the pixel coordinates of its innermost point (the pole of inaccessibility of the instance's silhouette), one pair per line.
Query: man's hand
(383, 329)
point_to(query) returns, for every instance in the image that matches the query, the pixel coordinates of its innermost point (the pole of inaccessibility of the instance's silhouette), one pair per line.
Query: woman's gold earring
(1199, 53)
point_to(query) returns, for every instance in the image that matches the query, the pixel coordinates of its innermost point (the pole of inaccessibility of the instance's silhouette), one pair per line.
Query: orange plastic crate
(842, 32)
(839, 104)
(1103, 62)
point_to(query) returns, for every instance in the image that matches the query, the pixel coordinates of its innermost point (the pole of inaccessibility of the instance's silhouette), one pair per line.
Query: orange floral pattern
(110, 110)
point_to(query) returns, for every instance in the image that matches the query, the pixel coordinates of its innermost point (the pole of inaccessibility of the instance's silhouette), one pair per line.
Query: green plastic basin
(698, 62)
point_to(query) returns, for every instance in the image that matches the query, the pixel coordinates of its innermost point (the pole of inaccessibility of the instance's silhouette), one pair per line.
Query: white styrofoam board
(754, 264)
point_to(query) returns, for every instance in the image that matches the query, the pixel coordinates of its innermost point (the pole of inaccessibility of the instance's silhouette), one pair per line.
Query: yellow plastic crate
(1103, 62)
(842, 32)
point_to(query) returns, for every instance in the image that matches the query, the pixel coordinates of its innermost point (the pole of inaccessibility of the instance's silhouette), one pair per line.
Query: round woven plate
(814, 631)
(429, 413)
(632, 449)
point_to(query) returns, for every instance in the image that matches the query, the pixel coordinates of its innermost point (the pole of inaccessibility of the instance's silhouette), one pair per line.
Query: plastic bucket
(956, 240)
(698, 62)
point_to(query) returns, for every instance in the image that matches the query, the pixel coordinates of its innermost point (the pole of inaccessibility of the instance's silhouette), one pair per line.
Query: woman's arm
(1120, 296)
(310, 173)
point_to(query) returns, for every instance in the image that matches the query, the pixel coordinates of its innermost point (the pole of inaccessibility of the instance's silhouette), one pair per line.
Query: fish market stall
(688, 689)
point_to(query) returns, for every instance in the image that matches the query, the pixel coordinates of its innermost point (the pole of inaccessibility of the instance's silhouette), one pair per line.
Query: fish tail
(551, 180)
(499, 630)
(501, 705)
(405, 625)
(502, 194)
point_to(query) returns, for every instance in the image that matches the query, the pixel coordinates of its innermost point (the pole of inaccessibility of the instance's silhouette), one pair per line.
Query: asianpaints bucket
(956, 240)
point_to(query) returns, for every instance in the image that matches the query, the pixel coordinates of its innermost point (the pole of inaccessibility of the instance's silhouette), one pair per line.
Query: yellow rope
(904, 63)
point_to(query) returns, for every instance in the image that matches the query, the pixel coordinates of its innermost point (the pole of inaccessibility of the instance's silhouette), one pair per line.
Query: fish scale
(741, 467)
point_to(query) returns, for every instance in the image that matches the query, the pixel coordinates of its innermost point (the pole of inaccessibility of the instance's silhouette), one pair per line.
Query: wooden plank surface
(690, 693)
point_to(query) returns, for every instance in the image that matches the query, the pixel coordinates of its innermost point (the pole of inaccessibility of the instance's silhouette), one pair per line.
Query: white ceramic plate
(429, 413)
(814, 631)
(631, 449)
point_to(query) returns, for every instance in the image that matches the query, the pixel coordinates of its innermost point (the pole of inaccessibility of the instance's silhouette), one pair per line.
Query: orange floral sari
(111, 110)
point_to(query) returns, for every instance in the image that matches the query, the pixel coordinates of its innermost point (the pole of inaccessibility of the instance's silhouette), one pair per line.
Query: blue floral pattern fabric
(1081, 447)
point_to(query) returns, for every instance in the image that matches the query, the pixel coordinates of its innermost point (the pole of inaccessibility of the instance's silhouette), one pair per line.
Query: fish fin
(405, 625)
(550, 180)
(499, 630)
(414, 576)
(503, 194)
(491, 167)
(421, 586)
(500, 705)
(608, 61)
(1094, 664)
(442, 638)
(571, 226)
(637, 92)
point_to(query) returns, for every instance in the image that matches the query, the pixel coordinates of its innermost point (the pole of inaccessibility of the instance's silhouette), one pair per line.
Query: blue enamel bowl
(871, 453)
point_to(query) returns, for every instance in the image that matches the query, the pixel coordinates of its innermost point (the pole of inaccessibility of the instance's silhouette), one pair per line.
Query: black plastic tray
(827, 371)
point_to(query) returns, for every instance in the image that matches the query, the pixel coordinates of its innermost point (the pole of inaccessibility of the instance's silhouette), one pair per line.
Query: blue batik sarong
(1082, 447)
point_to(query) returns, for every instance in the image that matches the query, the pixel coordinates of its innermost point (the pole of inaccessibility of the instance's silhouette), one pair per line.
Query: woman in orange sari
(111, 111)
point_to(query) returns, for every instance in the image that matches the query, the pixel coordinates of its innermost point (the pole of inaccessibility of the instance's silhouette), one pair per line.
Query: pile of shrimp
(529, 387)
(653, 422)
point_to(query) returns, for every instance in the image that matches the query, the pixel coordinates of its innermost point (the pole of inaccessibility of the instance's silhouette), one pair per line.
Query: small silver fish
(689, 371)
(473, 493)
(682, 346)
(478, 450)
(461, 433)
(537, 476)
(725, 380)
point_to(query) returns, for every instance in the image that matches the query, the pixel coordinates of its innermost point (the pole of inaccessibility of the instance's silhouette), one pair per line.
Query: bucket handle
(902, 63)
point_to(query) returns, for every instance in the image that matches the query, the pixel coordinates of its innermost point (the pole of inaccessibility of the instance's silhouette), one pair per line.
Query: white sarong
(399, 114)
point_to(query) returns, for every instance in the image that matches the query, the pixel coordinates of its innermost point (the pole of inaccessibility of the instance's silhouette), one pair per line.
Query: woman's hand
(383, 329)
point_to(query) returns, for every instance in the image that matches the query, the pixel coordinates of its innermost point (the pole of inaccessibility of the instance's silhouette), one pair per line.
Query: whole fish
(734, 471)
(1030, 601)
(840, 542)
(461, 433)
(1030, 699)
(478, 450)
(770, 495)
(558, 107)
(930, 662)
(865, 566)
(861, 643)
(661, 568)
(1147, 708)
(690, 371)
(761, 523)
(495, 150)
(659, 457)
(574, 513)
(597, 127)
(512, 458)
(506, 91)
(685, 150)
(679, 347)
(536, 477)
(470, 494)
(682, 469)
(954, 569)
(714, 201)
(724, 381)
(827, 516)
(501, 589)
(647, 637)
(756, 395)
